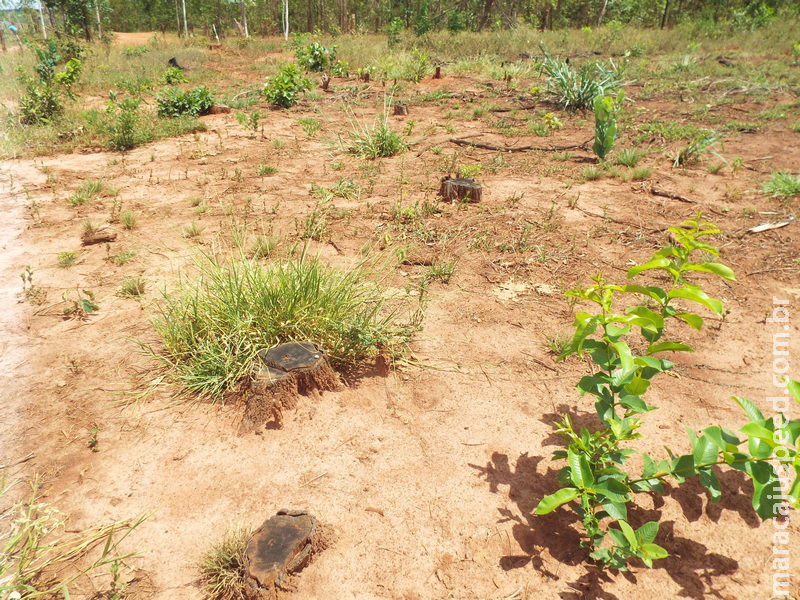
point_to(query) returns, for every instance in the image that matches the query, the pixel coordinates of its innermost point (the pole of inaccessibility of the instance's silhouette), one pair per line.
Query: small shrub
(782, 185)
(315, 57)
(212, 329)
(222, 567)
(283, 88)
(249, 121)
(393, 31)
(123, 132)
(172, 102)
(557, 343)
(43, 98)
(172, 76)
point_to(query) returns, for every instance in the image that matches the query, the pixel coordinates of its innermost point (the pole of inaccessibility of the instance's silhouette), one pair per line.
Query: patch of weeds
(173, 102)
(557, 343)
(629, 157)
(88, 191)
(132, 287)
(81, 305)
(67, 259)
(782, 185)
(562, 156)
(263, 246)
(640, 173)
(222, 568)
(591, 173)
(244, 307)
(122, 258)
(669, 130)
(716, 168)
(249, 121)
(469, 171)
(278, 144)
(795, 127)
(123, 130)
(192, 230)
(310, 126)
(377, 140)
(172, 76)
(440, 271)
(128, 219)
(88, 227)
(576, 89)
(315, 225)
(695, 150)
(265, 170)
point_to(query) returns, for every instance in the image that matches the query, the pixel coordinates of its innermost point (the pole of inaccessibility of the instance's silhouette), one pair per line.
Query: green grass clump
(212, 329)
(222, 567)
(576, 89)
(377, 140)
(629, 157)
(782, 185)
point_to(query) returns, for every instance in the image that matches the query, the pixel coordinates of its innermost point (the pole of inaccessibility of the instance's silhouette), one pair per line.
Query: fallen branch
(461, 142)
(672, 196)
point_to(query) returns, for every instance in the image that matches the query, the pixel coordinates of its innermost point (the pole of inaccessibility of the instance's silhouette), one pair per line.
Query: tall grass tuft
(222, 567)
(377, 140)
(782, 185)
(212, 328)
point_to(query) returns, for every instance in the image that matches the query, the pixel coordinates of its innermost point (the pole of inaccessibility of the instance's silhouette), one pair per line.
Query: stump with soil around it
(460, 189)
(281, 374)
(284, 544)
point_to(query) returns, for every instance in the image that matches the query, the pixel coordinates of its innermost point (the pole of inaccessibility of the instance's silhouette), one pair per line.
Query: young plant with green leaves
(44, 94)
(606, 112)
(576, 89)
(284, 88)
(596, 484)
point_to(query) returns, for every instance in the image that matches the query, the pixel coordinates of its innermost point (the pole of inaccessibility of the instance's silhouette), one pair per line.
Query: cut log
(460, 189)
(280, 375)
(98, 237)
(284, 544)
(400, 109)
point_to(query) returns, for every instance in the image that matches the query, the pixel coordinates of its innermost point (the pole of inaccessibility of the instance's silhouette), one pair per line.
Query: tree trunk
(3, 40)
(99, 20)
(286, 19)
(602, 13)
(85, 23)
(244, 20)
(178, 16)
(185, 22)
(487, 10)
(665, 16)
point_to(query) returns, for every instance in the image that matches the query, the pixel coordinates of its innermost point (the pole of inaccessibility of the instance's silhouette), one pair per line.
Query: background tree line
(87, 18)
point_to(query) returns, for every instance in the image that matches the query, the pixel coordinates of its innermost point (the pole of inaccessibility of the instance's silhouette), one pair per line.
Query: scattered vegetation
(782, 185)
(377, 140)
(222, 567)
(173, 102)
(284, 88)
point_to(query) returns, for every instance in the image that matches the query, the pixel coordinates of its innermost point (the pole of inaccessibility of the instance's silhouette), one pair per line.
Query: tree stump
(364, 77)
(438, 73)
(460, 189)
(326, 81)
(400, 109)
(97, 237)
(280, 375)
(282, 545)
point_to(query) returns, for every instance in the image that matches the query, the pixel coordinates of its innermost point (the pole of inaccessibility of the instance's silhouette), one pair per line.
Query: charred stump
(438, 73)
(460, 189)
(282, 374)
(283, 545)
(173, 62)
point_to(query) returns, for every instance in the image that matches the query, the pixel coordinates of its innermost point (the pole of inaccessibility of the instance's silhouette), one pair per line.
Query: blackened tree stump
(460, 189)
(281, 374)
(438, 73)
(282, 545)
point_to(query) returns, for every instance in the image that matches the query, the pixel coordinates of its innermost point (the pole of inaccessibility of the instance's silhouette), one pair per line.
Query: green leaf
(699, 296)
(629, 534)
(579, 470)
(654, 551)
(614, 490)
(794, 389)
(654, 263)
(712, 267)
(709, 480)
(704, 451)
(753, 413)
(647, 532)
(616, 510)
(669, 347)
(549, 503)
(691, 319)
